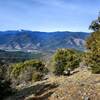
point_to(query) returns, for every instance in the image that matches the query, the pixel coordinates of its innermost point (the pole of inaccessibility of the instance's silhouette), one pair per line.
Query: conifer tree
(93, 46)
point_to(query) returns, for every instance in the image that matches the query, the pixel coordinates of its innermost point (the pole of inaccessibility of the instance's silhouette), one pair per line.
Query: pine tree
(93, 46)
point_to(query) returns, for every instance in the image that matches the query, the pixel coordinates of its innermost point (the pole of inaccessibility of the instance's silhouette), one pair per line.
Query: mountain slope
(34, 41)
(82, 85)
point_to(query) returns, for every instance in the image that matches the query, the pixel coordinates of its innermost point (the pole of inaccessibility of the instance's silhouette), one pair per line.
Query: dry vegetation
(82, 85)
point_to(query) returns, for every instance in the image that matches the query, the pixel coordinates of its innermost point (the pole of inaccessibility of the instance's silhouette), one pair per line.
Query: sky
(48, 15)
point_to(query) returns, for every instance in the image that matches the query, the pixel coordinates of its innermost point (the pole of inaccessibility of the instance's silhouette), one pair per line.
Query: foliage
(37, 76)
(24, 71)
(93, 46)
(5, 84)
(5, 89)
(95, 25)
(18, 56)
(93, 55)
(65, 59)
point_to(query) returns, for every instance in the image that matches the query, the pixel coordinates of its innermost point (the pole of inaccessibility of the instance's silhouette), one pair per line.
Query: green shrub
(24, 71)
(37, 76)
(16, 69)
(93, 46)
(64, 59)
(5, 89)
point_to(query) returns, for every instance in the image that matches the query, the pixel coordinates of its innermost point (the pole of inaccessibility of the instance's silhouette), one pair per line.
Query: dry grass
(82, 85)
(56, 79)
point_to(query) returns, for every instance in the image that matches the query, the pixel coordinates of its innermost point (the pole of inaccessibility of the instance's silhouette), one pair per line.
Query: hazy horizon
(45, 31)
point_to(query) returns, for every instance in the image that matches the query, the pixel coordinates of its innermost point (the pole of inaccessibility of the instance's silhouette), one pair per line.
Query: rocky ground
(82, 85)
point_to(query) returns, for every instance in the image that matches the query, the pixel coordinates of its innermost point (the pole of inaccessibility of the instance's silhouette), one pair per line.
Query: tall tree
(95, 25)
(93, 46)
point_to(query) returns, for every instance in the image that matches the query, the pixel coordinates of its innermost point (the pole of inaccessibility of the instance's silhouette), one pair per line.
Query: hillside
(41, 41)
(82, 85)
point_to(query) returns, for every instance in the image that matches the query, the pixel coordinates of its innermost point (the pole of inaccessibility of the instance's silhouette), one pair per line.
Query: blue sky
(48, 15)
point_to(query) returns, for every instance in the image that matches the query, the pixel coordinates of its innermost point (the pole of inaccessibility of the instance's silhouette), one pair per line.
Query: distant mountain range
(41, 41)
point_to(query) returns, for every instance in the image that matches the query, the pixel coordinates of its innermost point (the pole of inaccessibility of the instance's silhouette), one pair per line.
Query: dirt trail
(82, 85)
